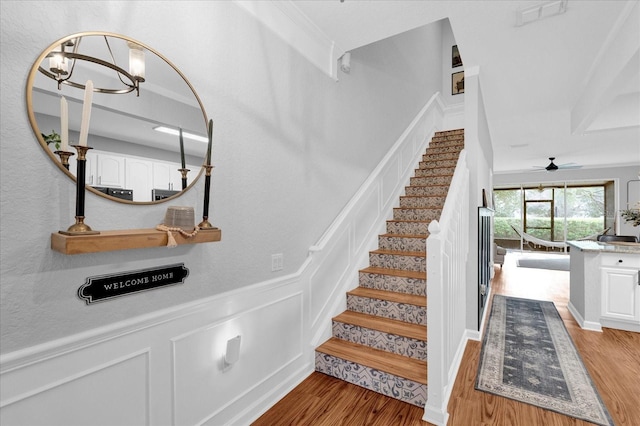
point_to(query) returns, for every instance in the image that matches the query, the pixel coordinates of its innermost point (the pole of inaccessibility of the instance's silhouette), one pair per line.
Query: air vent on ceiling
(540, 11)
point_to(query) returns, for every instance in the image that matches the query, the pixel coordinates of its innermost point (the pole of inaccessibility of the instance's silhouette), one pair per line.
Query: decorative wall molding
(163, 356)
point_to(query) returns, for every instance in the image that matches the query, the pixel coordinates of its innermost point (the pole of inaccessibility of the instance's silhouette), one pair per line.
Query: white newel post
(435, 408)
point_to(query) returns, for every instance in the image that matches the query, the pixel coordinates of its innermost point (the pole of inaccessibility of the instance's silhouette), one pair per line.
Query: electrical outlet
(276, 262)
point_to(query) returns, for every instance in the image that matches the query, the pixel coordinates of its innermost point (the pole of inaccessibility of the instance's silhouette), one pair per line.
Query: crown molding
(288, 22)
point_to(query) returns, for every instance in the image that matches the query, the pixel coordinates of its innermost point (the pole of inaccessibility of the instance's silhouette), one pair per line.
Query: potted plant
(632, 215)
(52, 137)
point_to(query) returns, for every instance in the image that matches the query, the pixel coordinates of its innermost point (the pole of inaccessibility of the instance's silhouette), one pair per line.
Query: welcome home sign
(105, 287)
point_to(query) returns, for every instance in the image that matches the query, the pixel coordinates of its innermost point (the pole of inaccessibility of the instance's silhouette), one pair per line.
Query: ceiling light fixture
(63, 59)
(186, 135)
(540, 11)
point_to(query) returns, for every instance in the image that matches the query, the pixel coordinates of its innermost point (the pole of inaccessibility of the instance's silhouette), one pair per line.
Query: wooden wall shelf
(125, 240)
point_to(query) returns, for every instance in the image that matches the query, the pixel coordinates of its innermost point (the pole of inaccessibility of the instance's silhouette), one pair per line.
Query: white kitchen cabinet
(620, 294)
(620, 291)
(139, 178)
(604, 285)
(167, 175)
(164, 175)
(110, 170)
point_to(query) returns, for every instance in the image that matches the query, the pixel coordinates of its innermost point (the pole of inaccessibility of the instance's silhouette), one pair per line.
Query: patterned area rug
(527, 355)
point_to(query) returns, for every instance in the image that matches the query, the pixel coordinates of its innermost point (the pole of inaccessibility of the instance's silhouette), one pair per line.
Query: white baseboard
(587, 325)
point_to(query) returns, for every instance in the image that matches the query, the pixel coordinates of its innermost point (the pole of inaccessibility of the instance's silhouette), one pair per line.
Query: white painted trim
(613, 34)
(587, 325)
(447, 249)
(477, 335)
(24, 357)
(619, 324)
(436, 103)
(262, 405)
(78, 376)
(287, 21)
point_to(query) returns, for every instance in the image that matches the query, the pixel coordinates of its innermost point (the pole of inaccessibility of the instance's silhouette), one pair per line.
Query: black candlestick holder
(64, 157)
(205, 225)
(184, 172)
(80, 228)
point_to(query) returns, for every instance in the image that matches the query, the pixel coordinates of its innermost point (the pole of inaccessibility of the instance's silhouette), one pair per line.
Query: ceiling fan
(552, 167)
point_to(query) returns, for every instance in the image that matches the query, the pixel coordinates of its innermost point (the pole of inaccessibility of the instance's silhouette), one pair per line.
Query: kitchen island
(604, 285)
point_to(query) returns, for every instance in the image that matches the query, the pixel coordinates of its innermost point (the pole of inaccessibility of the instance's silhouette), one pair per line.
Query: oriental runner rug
(527, 355)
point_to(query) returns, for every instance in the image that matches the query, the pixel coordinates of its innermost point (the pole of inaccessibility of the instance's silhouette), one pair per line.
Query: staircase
(380, 341)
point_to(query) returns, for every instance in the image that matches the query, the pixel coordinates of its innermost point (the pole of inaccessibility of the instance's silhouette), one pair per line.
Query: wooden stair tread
(392, 296)
(400, 253)
(395, 272)
(386, 325)
(397, 365)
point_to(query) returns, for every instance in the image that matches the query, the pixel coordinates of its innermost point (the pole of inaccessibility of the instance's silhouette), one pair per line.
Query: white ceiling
(534, 77)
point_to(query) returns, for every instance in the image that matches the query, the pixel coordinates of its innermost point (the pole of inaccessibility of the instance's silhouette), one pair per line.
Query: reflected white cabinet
(139, 178)
(166, 176)
(110, 170)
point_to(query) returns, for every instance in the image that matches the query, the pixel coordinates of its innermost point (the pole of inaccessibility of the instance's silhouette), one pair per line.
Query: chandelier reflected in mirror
(64, 59)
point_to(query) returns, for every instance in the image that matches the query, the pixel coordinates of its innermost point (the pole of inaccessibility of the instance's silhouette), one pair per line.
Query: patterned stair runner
(380, 341)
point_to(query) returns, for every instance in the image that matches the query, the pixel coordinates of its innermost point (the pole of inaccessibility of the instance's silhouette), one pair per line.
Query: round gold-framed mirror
(146, 125)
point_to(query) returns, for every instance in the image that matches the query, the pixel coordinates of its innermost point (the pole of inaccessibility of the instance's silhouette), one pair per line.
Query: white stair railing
(447, 249)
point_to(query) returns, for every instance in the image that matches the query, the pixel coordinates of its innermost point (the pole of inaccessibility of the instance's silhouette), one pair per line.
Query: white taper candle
(64, 124)
(86, 113)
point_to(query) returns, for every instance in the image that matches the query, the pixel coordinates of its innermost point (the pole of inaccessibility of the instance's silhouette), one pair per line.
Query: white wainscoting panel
(114, 393)
(368, 217)
(327, 275)
(271, 337)
(166, 367)
(390, 180)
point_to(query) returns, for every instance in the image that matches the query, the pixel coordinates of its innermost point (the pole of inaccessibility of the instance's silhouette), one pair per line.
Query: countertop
(606, 247)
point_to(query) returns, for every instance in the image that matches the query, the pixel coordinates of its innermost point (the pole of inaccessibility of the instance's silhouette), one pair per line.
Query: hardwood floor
(611, 357)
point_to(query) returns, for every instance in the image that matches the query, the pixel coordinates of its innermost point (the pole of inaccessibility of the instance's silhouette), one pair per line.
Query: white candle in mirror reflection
(64, 124)
(86, 113)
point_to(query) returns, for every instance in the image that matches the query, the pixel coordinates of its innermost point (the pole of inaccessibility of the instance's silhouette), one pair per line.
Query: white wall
(292, 148)
(480, 161)
(448, 41)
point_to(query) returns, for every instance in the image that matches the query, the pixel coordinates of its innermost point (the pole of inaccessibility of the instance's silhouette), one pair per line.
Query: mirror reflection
(140, 104)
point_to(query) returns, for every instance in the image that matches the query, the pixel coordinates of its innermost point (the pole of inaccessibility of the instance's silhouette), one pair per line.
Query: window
(551, 212)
